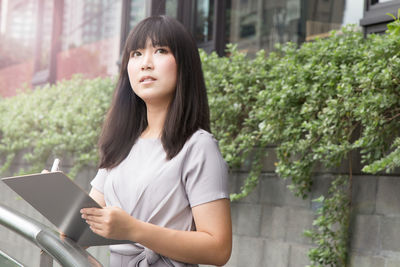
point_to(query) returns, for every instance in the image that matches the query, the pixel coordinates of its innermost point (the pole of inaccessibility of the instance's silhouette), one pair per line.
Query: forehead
(149, 43)
(141, 40)
(155, 32)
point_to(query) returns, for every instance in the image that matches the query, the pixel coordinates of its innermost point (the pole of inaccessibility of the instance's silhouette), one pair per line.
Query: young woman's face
(152, 74)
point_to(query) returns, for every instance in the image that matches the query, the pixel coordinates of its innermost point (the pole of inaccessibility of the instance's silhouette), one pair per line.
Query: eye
(162, 51)
(135, 54)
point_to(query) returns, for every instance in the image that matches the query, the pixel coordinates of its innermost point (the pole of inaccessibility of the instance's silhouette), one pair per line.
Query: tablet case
(59, 199)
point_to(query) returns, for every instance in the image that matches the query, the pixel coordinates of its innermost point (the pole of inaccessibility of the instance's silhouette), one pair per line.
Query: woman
(162, 181)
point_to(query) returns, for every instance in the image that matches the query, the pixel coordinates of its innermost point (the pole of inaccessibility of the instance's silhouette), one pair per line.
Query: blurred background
(42, 41)
(45, 41)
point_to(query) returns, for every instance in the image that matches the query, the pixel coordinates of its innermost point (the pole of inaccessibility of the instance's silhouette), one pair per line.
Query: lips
(147, 79)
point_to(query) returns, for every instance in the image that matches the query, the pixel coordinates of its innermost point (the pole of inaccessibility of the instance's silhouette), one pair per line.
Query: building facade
(48, 40)
(375, 16)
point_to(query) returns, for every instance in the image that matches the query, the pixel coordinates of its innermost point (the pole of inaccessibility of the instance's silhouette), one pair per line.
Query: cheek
(132, 73)
(170, 69)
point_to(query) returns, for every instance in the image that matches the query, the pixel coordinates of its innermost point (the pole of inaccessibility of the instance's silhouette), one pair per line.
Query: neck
(155, 119)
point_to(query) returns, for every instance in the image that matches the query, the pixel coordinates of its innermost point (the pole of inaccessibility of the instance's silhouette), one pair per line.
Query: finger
(93, 219)
(96, 228)
(95, 225)
(45, 171)
(91, 211)
(97, 232)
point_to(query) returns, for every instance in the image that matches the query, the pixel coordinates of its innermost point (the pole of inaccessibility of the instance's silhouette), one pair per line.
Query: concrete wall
(268, 224)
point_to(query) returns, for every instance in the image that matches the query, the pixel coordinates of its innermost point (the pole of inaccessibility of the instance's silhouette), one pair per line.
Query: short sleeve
(205, 172)
(99, 180)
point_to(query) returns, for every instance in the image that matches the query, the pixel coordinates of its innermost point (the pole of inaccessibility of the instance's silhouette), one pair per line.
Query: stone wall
(268, 224)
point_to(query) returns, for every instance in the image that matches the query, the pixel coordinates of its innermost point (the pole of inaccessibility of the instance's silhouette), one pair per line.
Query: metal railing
(6, 260)
(64, 250)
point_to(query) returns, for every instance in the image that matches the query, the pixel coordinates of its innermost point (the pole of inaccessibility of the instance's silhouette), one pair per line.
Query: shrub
(62, 119)
(318, 104)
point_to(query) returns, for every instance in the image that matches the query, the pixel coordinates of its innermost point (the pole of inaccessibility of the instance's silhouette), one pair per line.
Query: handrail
(9, 259)
(64, 250)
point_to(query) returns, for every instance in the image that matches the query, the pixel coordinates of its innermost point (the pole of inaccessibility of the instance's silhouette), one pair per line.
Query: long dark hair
(188, 110)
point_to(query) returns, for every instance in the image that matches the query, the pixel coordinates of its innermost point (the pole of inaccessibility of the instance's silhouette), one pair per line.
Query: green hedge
(61, 120)
(317, 104)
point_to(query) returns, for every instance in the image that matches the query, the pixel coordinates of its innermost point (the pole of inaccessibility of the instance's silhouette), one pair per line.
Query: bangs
(157, 29)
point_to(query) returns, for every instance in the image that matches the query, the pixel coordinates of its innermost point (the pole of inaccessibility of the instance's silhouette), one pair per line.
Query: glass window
(90, 39)
(204, 18)
(260, 24)
(17, 41)
(47, 20)
(198, 17)
(138, 12)
(326, 15)
(171, 8)
(353, 12)
(17, 32)
(383, 1)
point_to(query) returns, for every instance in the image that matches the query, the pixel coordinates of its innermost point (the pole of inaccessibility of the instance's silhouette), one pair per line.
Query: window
(171, 8)
(138, 12)
(204, 20)
(375, 15)
(327, 15)
(48, 24)
(260, 24)
(382, 1)
(255, 24)
(90, 38)
(43, 60)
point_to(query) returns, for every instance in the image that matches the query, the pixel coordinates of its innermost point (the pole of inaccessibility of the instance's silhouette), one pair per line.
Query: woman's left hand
(109, 222)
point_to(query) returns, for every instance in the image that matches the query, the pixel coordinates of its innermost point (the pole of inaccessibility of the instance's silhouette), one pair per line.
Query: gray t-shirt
(159, 191)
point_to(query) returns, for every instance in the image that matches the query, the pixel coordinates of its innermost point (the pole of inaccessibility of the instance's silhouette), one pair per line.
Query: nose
(147, 63)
